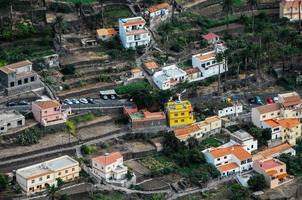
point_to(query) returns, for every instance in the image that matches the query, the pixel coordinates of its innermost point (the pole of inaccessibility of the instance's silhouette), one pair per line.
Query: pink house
(49, 112)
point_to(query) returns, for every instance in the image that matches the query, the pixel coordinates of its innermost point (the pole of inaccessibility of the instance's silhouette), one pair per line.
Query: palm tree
(60, 25)
(228, 7)
(54, 189)
(219, 59)
(102, 11)
(253, 4)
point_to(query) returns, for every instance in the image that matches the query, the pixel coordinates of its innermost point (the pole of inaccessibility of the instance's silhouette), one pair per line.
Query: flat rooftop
(47, 167)
(242, 135)
(9, 116)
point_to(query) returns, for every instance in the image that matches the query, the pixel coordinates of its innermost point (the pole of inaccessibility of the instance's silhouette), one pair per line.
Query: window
(184, 114)
(49, 176)
(32, 79)
(41, 178)
(45, 111)
(19, 123)
(281, 170)
(214, 61)
(263, 116)
(8, 124)
(19, 82)
(26, 80)
(175, 121)
(72, 169)
(2, 128)
(252, 146)
(12, 84)
(203, 65)
(176, 114)
(182, 120)
(208, 63)
(218, 159)
(225, 157)
(66, 171)
(32, 181)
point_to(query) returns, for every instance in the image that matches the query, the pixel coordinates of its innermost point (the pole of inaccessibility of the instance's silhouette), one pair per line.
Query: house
(159, 10)
(275, 152)
(286, 130)
(144, 119)
(265, 112)
(133, 33)
(51, 61)
(10, 119)
(211, 38)
(199, 129)
(290, 9)
(243, 138)
(158, 143)
(291, 105)
(39, 177)
(208, 65)
(235, 109)
(168, 77)
(136, 73)
(179, 113)
(151, 67)
(288, 106)
(19, 77)
(110, 168)
(229, 160)
(186, 132)
(193, 74)
(105, 34)
(49, 112)
(273, 170)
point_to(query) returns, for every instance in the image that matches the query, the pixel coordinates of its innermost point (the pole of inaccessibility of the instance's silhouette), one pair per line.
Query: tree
(3, 182)
(54, 189)
(192, 142)
(129, 175)
(60, 26)
(238, 192)
(253, 4)
(219, 59)
(228, 7)
(257, 183)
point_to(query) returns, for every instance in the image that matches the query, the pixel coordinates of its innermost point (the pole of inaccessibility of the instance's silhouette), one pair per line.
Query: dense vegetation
(294, 163)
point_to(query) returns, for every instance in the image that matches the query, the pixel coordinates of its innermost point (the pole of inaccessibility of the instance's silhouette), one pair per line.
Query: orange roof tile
(186, 131)
(154, 115)
(207, 56)
(157, 7)
(285, 123)
(272, 123)
(106, 31)
(268, 108)
(107, 159)
(236, 150)
(134, 22)
(274, 150)
(136, 70)
(151, 65)
(281, 176)
(212, 119)
(271, 172)
(192, 70)
(47, 104)
(291, 100)
(227, 167)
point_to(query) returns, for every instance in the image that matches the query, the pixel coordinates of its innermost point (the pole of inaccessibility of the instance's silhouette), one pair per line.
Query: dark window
(2, 128)
(19, 122)
(19, 82)
(32, 79)
(218, 159)
(12, 84)
(8, 124)
(26, 80)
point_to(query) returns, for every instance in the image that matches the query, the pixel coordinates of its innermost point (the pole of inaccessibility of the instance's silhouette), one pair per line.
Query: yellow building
(179, 113)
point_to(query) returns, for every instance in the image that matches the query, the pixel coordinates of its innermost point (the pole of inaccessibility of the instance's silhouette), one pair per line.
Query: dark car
(23, 103)
(252, 100)
(11, 104)
(90, 100)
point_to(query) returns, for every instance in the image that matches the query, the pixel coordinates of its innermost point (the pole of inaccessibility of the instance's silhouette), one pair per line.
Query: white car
(83, 101)
(75, 101)
(68, 102)
(275, 99)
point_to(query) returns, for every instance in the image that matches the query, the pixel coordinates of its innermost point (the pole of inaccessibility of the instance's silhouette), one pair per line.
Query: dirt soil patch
(137, 167)
(154, 184)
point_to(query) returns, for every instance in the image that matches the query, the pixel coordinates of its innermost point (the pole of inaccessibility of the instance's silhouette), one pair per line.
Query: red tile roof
(210, 36)
(157, 7)
(285, 123)
(184, 133)
(268, 108)
(236, 150)
(108, 159)
(192, 70)
(47, 104)
(274, 150)
(227, 167)
(151, 65)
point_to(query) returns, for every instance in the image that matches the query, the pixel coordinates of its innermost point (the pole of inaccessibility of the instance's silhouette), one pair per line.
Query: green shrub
(88, 149)
(29, 137)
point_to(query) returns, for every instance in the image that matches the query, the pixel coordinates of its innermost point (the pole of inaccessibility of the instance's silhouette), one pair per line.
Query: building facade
(133, 33)
(39, 177)
(290, 9)
(273, 170)
(19, 76)
(235, 110)
(10, 119)
(110, 168)
(243, 138)
(208, 65)
(49, 112)
(158, 10)
(179, 113)
(229, 160)
(169, 77)
(275, 152)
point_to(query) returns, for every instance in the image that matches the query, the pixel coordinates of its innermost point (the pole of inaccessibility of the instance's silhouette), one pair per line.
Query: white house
(168, 77)
(109, 167)
(241, 137)
(159, 10)
(207, 64)
(235, 109)
(229, 160)
(133, 33)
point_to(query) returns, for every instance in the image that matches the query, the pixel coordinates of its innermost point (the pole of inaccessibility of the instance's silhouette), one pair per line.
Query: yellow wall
(291, 135)
(179, 113)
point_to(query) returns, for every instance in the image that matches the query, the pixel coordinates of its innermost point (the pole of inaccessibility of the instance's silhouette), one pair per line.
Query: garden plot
(154, 184)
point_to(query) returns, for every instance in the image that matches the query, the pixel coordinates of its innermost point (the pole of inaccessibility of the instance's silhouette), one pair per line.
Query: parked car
(269, 100)
(75, 101)
(112, 97)
(11, 104)
(276, 99)
(90, 100)
(252, 100)
(68, 102)
(83, 101)
(105, 97)
(258, 100)
(23, 103)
